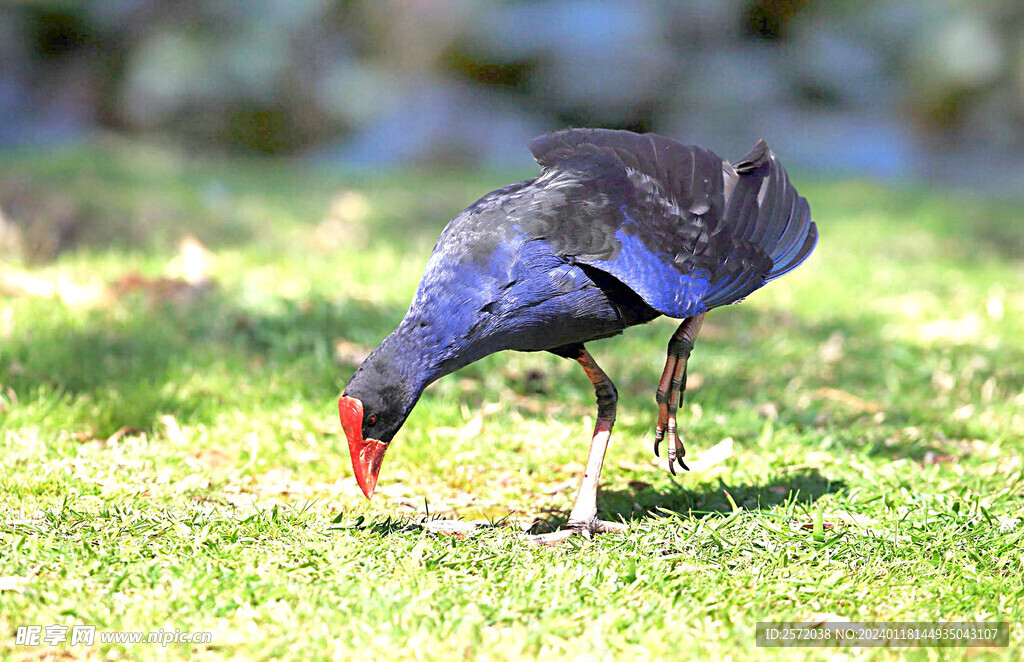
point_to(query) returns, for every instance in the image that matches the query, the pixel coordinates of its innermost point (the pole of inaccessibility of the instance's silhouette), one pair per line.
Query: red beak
(367, 455)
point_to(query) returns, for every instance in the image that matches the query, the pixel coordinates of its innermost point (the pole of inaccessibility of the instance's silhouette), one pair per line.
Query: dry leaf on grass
(831, 351)
(173, 429)
(931, 458)
(839, 517)
(559, 487)
(951, 331)
(209, 459)
(19, 283)
(571, 468)
(451, 527)
(706, 460)
(192, 483)
(193, 262)
(472, 429)
(159, 290)
(856, 519)
(13, 583)
(848, 399)
(189, 282)
(275, 481)
(626, 465)
(122, 432)
(963, 413)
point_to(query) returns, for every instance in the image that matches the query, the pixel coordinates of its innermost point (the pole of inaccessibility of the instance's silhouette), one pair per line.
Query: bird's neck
(426, 347)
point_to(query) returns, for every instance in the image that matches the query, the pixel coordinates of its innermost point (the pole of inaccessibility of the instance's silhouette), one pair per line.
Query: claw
(676, 452)
(680, 454)
(673, 450)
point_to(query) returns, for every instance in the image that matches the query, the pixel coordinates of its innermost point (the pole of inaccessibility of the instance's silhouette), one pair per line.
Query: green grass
(175, 462)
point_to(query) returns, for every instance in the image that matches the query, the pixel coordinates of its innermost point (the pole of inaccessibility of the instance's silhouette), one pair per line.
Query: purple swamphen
(618, 229)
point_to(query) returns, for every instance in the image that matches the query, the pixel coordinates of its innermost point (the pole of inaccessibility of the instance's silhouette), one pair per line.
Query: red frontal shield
(367, 454)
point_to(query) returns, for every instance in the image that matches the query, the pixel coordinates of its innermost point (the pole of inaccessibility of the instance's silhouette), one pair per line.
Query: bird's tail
(764, 209)
(767, 227)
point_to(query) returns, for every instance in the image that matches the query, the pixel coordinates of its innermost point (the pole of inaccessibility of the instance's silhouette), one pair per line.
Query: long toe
(586, 530)
(553, 538)
(604, 526)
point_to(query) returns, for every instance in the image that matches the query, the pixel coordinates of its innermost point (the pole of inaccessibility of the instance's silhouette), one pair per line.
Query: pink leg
(672, 387)
(583, 517)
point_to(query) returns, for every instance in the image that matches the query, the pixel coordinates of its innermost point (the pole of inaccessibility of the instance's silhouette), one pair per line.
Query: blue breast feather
(525, 297)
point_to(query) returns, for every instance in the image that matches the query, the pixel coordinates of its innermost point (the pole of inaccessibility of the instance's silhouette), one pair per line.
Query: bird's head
(367, 453)
(369, 426)
(372, 410)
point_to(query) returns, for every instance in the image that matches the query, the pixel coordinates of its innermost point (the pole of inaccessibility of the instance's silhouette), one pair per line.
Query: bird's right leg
(583, 516)
(671, 389)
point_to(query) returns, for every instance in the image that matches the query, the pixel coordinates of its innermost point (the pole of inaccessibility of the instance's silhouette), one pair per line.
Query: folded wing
(682, 228)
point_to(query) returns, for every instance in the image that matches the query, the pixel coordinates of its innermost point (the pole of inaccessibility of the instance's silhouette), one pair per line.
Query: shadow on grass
(644, 502)
(127, 366)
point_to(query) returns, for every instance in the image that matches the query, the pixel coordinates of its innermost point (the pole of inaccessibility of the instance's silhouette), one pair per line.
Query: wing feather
(689, 231)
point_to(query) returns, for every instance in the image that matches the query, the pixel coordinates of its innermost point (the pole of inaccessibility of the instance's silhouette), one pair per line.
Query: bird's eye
(372, 420)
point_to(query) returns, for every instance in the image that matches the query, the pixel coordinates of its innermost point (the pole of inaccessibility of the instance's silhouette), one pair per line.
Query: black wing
(678, 225)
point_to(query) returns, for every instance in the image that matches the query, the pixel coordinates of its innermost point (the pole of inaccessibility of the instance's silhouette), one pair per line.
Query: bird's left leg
(672, 387)
(583, 516)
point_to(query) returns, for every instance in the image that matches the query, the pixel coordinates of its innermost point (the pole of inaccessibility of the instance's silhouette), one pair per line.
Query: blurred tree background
(891, 88)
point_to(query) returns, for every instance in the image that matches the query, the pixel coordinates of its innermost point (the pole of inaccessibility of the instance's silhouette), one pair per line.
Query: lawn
(172, 457)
